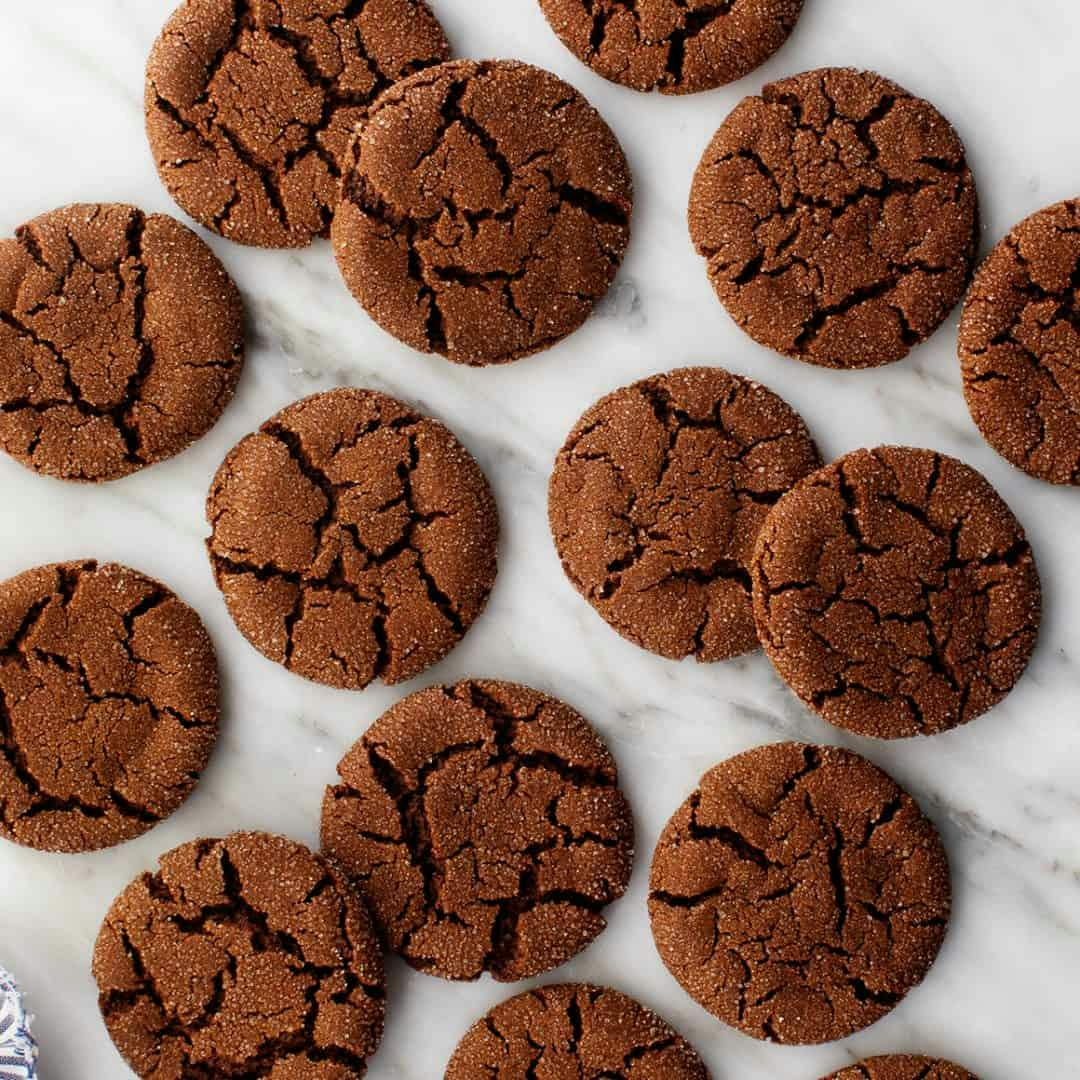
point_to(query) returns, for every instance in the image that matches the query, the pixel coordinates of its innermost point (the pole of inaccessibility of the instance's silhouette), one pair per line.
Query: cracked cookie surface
(896, 593)
(657, 498)
(674, 46)
(838, 218)
(902, 1067)
(121, 341)
(1020, 345)
(353, 538)
(485, 209)
(108, 705)
(799, 893)
(249, 956)
(573, 1031)
(484, 824)
(251, 104)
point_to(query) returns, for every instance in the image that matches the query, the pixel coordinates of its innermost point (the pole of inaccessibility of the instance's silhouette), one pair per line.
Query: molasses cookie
(484, 210)
(1020, 345)
(250, 107)
(121, 341)
(484, 823)
(799, 893)
(838, 217)
(672, 47)
(353, 538)
(902, 1067)
(895, 593)
(656, 501)
(108, 705)
(247, 956)
(576, 1032)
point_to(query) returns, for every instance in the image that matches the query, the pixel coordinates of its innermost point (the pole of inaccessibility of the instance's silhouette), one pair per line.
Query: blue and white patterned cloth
(18, 1051)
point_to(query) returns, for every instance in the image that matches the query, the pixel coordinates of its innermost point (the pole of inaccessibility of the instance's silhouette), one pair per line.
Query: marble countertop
(1005, 790)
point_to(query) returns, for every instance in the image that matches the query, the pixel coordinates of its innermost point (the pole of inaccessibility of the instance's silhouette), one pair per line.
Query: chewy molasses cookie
(1020, 345)
(121, 341)
(902, 1067)
(838, 217)
(250, 106)
(799, 893)
(895, 593)
(247, 956)
(573, 1032)
(656, 501)
(353, 538)
(676, 48)
(484, 210)
(108, 705)
(484, 823)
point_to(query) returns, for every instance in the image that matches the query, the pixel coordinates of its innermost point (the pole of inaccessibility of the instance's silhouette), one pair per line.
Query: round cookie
(121, 341)
(484, 210)
(895, 593)
(484, 823)
(247, 956)
(577, 1032)
(353, 538)
(799, 893)
(676, 48)
(657, 498)
(902, 1067)
(250, 107)
(838, 217)
(1020, 345)
(108, 705)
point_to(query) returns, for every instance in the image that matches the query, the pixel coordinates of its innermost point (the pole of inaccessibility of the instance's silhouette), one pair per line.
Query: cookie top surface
(657, 498)
(578, 1032)
(1020, 345)
(676, 48)
(484, 824)
(121, 341)
(246, 956)
(799, 893)
(250, 105)
(896, 593)
(484, 210)
(108, 705)
(353, 538)
(838, 217)
(902, 1067)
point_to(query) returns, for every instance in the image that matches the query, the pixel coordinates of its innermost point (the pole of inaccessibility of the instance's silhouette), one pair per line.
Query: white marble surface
(1005, 790)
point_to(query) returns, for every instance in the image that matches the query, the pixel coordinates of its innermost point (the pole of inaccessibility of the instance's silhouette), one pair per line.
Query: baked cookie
(247, 956)
(484, 210)
(353, 538)
(121, 341)
(799, 893)
(838, 217)
(108, 705)
(676, 48)
(250, 106)
(1020, 345)
(573, 1032)
(902, 1067)
(656, 501)
(895, 593)
(484, 823)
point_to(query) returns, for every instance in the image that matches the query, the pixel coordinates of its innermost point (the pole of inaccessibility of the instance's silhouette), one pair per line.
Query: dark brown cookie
(247, 956)
(573, 1032)
(838, 217)
(121, 341)
(896, 593)
(656, 501)
(485, 825)
(485, 209)
(672, 46)
(799, 893)
(250, 105)
(902, 1067)
(108, 705)
(353, 538)
(1020, 345)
